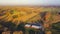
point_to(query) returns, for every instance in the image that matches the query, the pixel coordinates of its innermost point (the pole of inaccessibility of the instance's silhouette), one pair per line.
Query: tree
(11, 26)
(1, 29)
(56, 28)
(21, 27)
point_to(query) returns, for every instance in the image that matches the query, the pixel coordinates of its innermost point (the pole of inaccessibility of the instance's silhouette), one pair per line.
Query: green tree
(21, 27)
(56, 28)
(11, 26)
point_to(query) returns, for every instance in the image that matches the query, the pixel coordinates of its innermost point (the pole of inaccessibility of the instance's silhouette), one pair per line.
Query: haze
(30, 2)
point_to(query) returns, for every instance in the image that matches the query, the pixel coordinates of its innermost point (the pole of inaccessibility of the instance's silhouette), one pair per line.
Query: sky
(30, 2)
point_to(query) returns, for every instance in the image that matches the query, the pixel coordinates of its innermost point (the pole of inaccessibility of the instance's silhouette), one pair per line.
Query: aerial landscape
(29, 20)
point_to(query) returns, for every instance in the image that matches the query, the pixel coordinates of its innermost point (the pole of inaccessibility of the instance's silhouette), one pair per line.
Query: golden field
(25, 13)
(29, 14)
